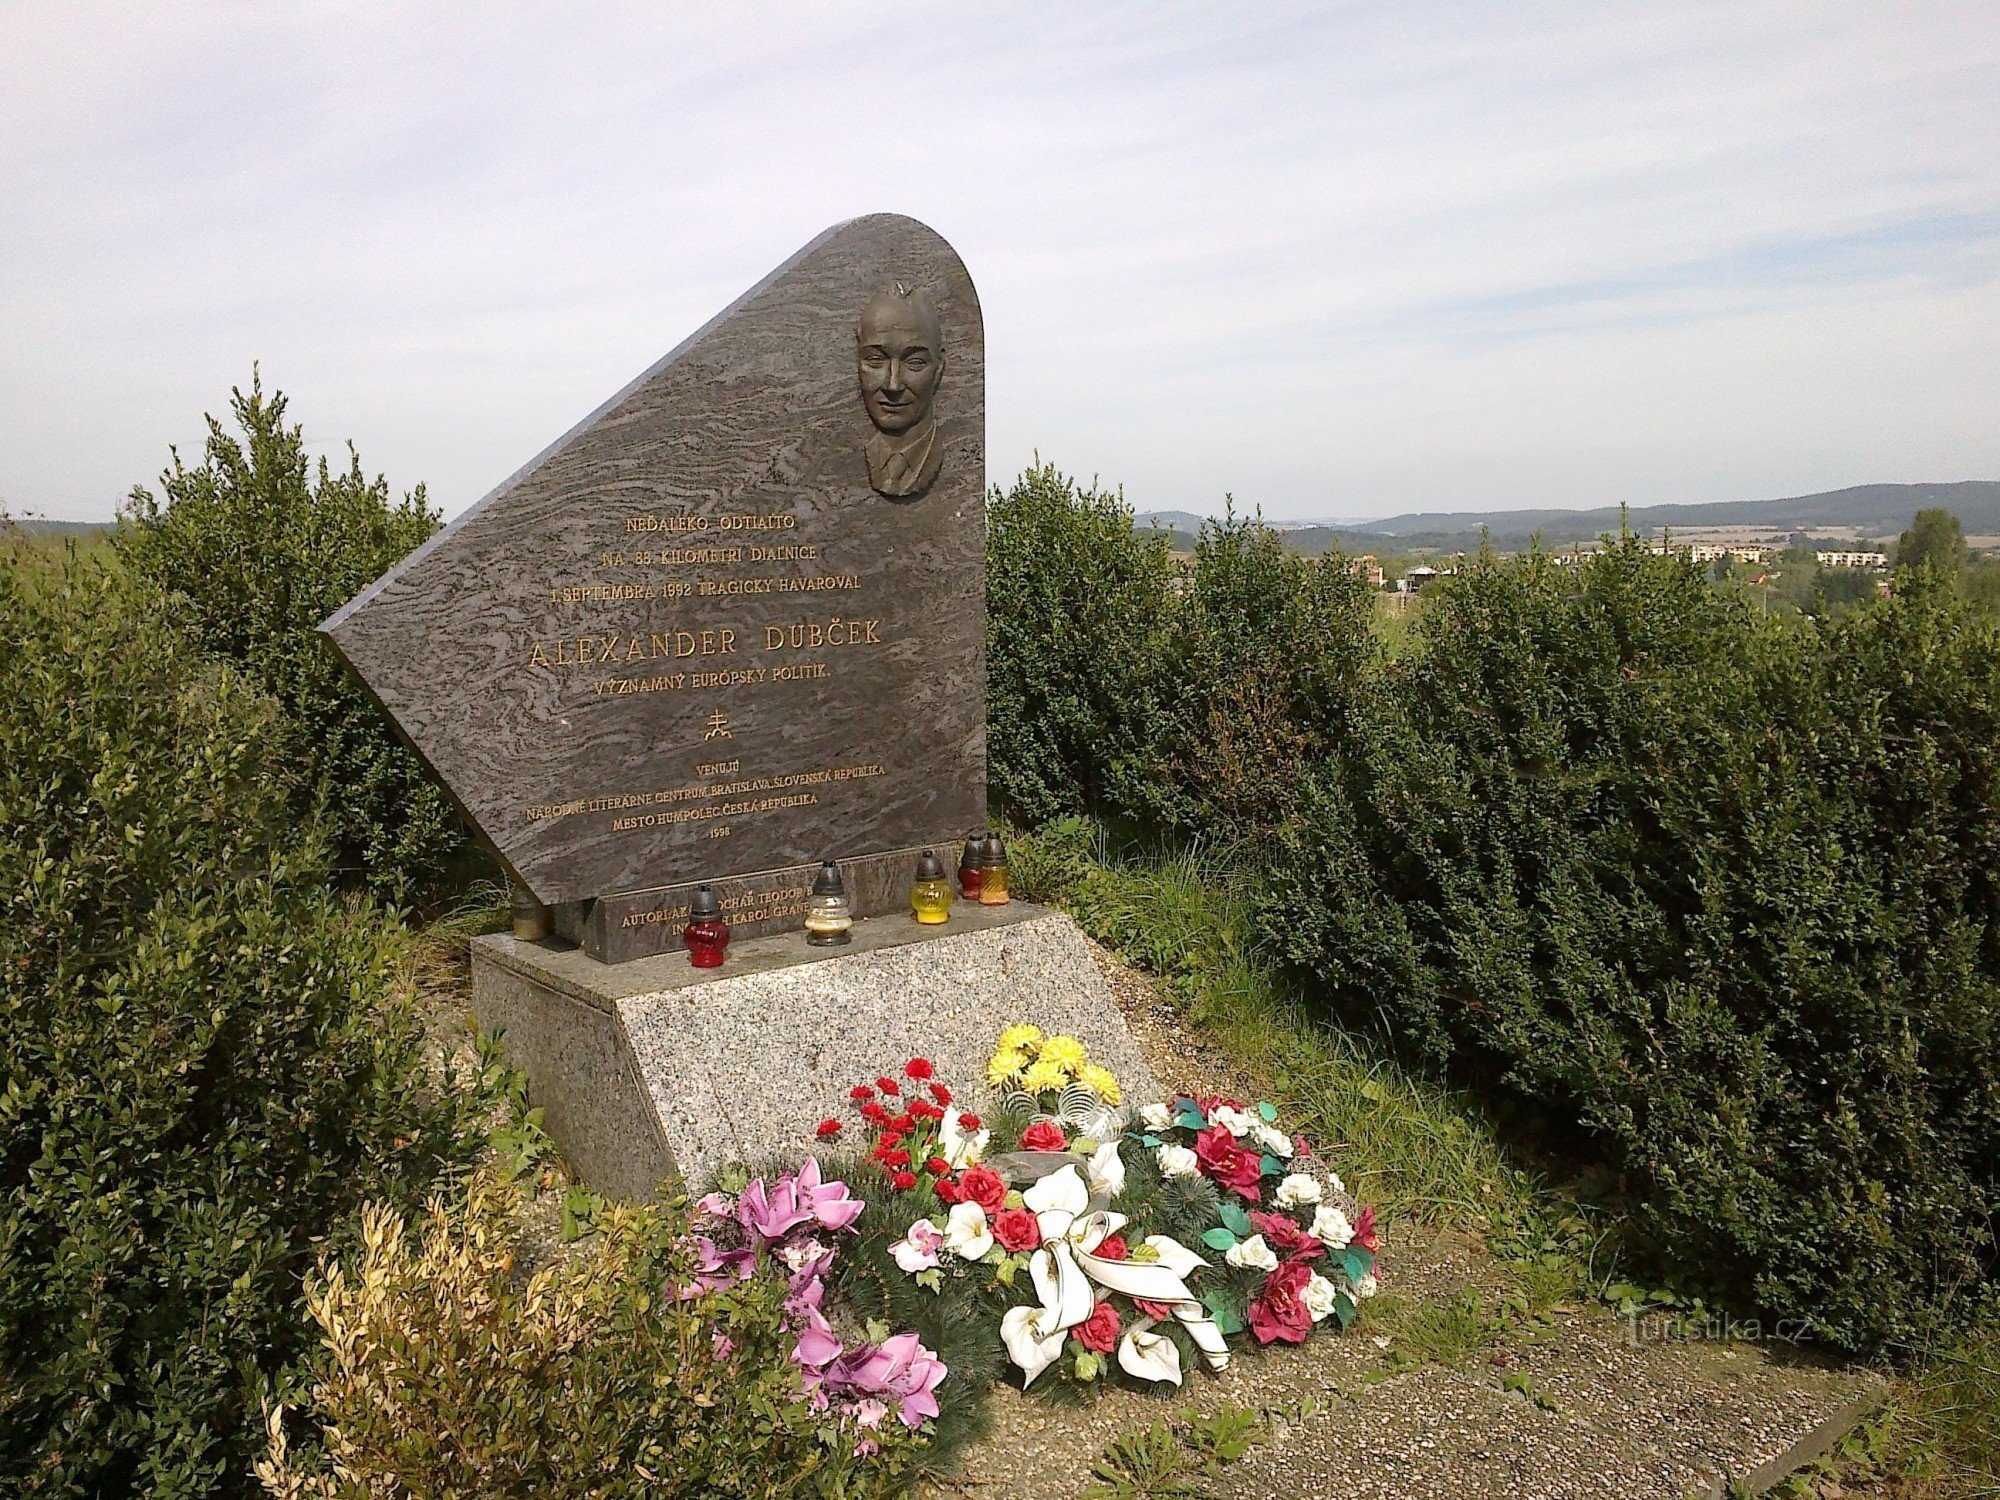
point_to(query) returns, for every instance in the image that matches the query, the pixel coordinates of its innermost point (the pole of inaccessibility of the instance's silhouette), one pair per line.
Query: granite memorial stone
(730, 625)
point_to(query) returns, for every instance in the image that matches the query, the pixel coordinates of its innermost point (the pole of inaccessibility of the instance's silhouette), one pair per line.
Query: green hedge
(256, 547)
(205, 1065)
(1724, 890)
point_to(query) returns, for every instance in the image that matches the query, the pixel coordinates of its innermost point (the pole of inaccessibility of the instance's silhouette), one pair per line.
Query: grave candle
(930, 894)
(707, 932)
(993, 872)
(968, 866)
(829, 919)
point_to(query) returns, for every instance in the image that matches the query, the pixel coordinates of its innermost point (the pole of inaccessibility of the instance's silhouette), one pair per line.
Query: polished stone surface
(691, 640)
(738, 1064)
(617, 929)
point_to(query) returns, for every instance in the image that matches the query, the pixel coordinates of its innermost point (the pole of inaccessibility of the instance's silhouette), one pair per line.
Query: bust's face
(900, 359)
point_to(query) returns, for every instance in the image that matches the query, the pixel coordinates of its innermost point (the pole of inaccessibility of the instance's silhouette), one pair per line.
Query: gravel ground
(1601, 1407)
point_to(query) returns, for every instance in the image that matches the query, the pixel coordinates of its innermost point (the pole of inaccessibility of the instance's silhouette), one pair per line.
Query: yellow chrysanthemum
(1044, 1075)
(1015, 1038)
(1005, 1066)
(1100, 1081)
(1066, 1052)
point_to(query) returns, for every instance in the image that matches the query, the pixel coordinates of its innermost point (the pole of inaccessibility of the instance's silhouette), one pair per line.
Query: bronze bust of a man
(899, 351)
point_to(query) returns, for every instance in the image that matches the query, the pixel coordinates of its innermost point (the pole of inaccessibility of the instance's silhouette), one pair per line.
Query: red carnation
(1222, 1159)
(1015, 1229)
(903, 1123)
(1282, 1233)
(982, 1185)
(827, 1128)
(859, 1092)
(1098, 1332)
(875, 1112)
(918, 1069)
(937, 1166)
(902, 1182)
(1364, 1228)
(1111, 1247)
(969, 1124)
(895, 1158)
(940, 1093)
(923, 1109)
(1046, 1135)
(890, 1087)
(947, 1190)
(1279, 1313)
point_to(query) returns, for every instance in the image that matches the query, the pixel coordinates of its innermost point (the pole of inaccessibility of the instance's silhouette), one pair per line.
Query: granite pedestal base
(655, 1069)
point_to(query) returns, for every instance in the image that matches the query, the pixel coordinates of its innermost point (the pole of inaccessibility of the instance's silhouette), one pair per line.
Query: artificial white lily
(1106, 1171)
(1034, 1335)
(1175, 1256)
(965, 1231)
(1149, 1356)
(955, 1146)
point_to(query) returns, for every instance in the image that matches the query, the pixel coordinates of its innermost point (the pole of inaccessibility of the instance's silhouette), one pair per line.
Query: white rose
(1178, 1161)
(1331, 1226)
(1156, 1116)
(1318, 1297)
(1298, 1189)
(1233, 1120)
(1365, 1288)
(1273, 1140)
(965, 1231)
(1252, 1255)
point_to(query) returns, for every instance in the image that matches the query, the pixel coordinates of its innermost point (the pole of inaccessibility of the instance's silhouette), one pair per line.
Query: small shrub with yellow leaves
(448, 1374)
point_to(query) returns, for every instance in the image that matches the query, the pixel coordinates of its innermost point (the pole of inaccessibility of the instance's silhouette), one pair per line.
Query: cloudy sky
(1340, 260)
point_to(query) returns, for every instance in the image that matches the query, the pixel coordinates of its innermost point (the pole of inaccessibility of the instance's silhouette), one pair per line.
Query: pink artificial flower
(904, 1370)
(1283, 1234)
(1098, 1332)
(716, 1205)
(1364, 1228)
(772, 1211)
(870, 1413)
(918, 1249)
(722, 1344)
(1279, 1312)
(1043, 1135)
(1225, 1161)
(815, 1350)
(715, 1268)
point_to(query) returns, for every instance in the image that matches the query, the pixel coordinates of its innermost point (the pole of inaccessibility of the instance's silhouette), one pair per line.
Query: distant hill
(1875, 510)
(37, 526)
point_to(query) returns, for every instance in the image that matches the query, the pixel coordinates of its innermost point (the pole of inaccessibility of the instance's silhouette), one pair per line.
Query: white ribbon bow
(1063, 1269)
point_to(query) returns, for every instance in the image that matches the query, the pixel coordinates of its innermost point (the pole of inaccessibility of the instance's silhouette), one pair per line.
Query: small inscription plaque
(733, 623)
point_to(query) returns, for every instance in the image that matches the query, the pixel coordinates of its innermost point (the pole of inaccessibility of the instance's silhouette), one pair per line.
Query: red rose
(1216, 1101)
(969, 1124)
(890, 1087)
(1046, 1135)
(1159, 1312)
(859, 1092)
(902, 1182)
(918, 1069)
(1279, 1313)
(827, 1128)
(1098, 1332)
(940, 1093)
(1364, 1228)
(937, 1166)
(982, 1185)
(1222, 1159)
(1015, 1229)
(1111, 1247)
(1282, 1233)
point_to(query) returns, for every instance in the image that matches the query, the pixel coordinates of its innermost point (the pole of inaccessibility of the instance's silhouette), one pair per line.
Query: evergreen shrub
(1724, 889)
(256, 546)
(204, 1062)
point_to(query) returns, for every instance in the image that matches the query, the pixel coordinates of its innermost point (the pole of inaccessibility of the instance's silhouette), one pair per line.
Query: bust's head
(900, 354)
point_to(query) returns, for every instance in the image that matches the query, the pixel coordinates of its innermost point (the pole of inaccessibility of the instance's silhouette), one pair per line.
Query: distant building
(1708, 552)
(1853, 559)
(1367, 569)
(1417, 577)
